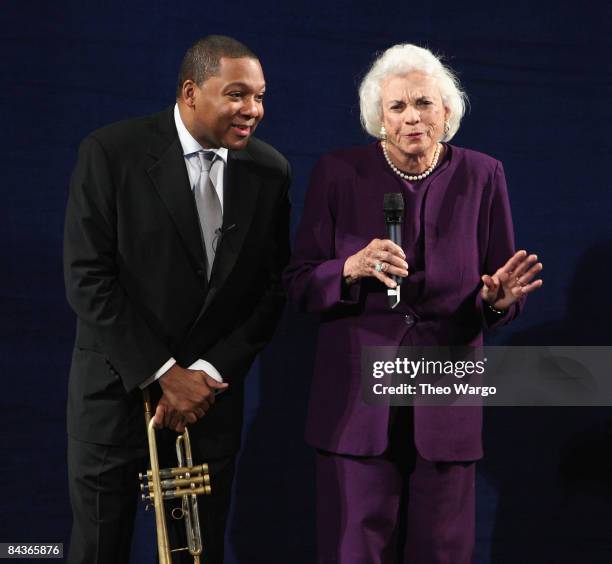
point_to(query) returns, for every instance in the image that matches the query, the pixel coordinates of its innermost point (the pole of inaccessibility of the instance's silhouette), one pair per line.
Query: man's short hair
(203, 58)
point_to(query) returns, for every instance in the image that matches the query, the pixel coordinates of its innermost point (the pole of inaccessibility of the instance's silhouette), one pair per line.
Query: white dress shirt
(190, 152)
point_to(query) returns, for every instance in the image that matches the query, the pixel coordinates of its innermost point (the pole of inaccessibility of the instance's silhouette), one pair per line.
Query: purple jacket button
(409, 320)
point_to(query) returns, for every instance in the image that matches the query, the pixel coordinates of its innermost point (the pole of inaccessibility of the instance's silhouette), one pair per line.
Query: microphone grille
(393, 202)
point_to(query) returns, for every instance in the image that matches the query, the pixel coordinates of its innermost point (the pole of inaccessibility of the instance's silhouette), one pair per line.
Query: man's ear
(188, 93)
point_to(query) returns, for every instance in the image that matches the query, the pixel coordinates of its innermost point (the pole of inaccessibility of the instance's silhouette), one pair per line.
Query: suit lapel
(169, 175)
(240, 197)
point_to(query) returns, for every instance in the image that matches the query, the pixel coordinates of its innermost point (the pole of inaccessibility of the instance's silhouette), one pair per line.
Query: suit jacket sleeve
(92, 274)
(498, 233)
(314, 276)
(233, 355)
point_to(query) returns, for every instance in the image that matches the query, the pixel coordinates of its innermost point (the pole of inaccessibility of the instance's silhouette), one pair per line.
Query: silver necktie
(209, 206)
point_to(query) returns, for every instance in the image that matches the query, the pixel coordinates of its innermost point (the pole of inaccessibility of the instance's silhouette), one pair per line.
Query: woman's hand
(380, 259)
(511, 281)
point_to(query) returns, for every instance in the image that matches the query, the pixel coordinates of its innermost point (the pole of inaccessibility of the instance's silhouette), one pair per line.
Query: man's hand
(188, 395)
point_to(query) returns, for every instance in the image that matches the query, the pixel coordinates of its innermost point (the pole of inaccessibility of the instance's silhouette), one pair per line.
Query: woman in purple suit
(397, 484)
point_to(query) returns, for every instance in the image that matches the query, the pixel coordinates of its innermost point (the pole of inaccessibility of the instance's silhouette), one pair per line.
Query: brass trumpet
(186, 481)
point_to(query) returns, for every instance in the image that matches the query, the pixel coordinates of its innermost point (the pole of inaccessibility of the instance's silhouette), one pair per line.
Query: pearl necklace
(411, 177)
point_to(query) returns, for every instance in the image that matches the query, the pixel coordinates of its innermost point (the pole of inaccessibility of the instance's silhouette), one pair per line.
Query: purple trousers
(394, 508)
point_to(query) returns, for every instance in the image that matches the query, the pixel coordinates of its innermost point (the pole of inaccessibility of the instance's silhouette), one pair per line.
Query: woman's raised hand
(512, 281)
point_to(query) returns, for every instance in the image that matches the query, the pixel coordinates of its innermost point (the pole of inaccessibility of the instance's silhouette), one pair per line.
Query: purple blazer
(466, 231)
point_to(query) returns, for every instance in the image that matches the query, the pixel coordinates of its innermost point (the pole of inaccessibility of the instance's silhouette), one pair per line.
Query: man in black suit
(175, 239)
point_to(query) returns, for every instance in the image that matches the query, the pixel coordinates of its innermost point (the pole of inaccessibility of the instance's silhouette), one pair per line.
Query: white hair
(398, 61)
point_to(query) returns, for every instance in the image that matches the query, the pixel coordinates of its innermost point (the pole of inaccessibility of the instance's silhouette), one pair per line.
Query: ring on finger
(378, 267)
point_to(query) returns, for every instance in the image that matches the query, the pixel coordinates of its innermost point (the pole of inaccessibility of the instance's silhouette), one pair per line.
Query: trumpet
(185, 481)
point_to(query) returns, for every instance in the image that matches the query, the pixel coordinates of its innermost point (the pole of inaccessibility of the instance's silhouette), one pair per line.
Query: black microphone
(393, 207)
(223, 230)
(220, 232)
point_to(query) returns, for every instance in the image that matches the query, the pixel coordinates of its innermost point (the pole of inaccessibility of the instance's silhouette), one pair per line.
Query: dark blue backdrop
(538, 76)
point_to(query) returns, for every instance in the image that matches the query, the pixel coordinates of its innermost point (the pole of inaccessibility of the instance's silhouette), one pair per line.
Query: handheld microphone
(393, 207)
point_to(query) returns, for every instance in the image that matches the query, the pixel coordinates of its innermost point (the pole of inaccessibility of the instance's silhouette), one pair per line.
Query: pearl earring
(446, 128)
(383, 132)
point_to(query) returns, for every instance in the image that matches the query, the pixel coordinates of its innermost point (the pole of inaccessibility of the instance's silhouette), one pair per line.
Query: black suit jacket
(135, 276)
